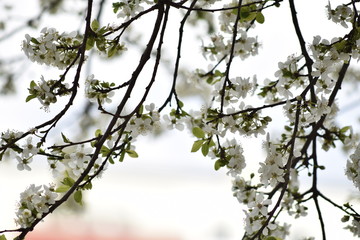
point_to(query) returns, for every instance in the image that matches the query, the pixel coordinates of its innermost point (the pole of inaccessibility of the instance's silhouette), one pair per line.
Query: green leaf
(122, 156)
(95, 25)
(62, 188)
(90, 43)
(34, 40)
(88, 186)
(205, 149)
(260, 18)
(32, 84)
(30, 97)
(132, 153)
(2, 237)
(181, 104)
(218, 164)
(78, 197)
(272, 238)
(198, 132)
(111, 51)
(98, 133)
(197, 145)
(65, 139)
(344, 129)
(104, 151)
(68, 181)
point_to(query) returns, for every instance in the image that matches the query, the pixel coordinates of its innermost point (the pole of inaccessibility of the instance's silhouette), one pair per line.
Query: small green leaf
(197, 145)
(95, 25)
(32, 84)
(122, 156)
(260, 18)
(181, 104)
(34, 40)
(65, 139)
(218, 164)
(198, 132)
(111, 51)
(90, 43)
(88, 186)
(104, 151)
(205, 149)
(344, 129)
(68, 181)
(62, 188)
(30, 97)
(100, 44)
(98, 133)
(272, 238)
(132, 153)
(78, 197)
(2, 237)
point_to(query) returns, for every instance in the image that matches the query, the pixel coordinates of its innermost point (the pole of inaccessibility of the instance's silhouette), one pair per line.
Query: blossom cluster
(23, 153)
(34, 202)
(46, 91)
(97, 91)
(52, 48)
(129, 8)
(341, 14)
(219, 47)
(145, 123)
(353, 167)
(75, 159)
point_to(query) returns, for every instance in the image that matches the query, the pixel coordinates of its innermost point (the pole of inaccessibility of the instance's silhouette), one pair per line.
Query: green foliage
(260, 17)
(273, 238)
(198, 132)
(197, 145)
(65, 139)
(95, 25)
(78, 197)
(2, 237)
(131, 153)
(62, 188)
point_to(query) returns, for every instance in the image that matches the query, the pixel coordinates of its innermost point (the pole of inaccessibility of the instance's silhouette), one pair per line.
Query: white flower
(352, 170)
(34, 201)
(51, 48)
(97, 91)
(173, 122)
(29, 149)
(259, 205)
(23, 163)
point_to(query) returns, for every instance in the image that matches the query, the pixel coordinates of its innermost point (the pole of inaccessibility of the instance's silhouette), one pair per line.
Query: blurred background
(167, 193)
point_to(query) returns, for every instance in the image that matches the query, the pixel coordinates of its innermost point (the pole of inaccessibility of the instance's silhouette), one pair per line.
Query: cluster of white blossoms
(236, 89)
(219, 47)
(145, 123)
(29, 150)
(341, 14)
(34, 202)
(248, 14)
(97, 91)
(288, 78)
(47, 91)
(129, 8)
(272, 169)
(23, 153)
(76, 160)
(52, 48)
(353, 167)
